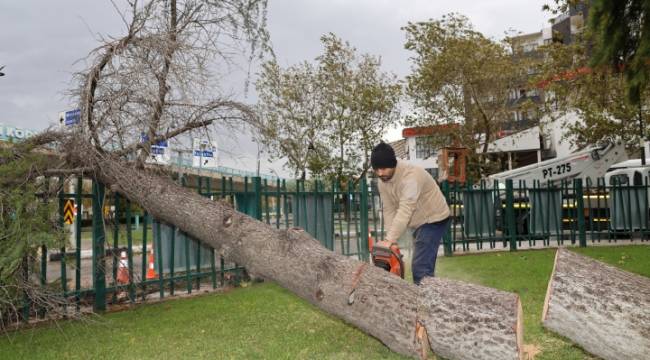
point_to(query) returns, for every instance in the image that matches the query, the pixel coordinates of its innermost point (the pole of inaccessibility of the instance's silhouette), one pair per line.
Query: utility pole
(258, 160)
(642, 132)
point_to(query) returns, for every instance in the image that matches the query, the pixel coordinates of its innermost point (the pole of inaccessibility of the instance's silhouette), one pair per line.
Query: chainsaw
(386, 255)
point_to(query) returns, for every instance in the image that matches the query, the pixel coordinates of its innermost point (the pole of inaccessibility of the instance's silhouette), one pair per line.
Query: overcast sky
(42, 42)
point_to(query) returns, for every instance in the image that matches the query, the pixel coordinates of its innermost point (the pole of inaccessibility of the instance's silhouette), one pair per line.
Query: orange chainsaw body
(386, 255)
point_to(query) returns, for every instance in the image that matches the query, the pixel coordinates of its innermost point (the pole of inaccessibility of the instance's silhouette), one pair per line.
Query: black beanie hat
(383, 156)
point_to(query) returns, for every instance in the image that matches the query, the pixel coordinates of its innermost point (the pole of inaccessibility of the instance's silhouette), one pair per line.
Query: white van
(629, 172)
(629, 197)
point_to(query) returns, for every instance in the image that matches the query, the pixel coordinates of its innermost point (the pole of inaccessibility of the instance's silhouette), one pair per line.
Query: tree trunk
(380, 304)
(603, 309)
(467, 321)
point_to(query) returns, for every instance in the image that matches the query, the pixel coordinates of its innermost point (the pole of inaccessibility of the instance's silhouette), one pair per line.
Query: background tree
(290, 103)
(156, 81)
(597, 93)
(326, 117)
(620, 39)
(461, 77)
(374, 107)
(602, 74)
(336, 75)
(28, 221)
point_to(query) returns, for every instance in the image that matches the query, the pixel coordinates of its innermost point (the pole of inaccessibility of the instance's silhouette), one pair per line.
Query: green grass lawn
(266, 321)
(527, 273)
(261, 321)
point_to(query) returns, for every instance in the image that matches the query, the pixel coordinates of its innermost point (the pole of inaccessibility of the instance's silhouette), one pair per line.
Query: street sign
(68, 211)
(69, 118)
(204, 154)
(159, 152)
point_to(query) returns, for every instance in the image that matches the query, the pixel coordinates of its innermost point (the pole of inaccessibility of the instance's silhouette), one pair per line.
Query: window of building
(533, 92)
(531, 114)
(549, 95)
(424, 147)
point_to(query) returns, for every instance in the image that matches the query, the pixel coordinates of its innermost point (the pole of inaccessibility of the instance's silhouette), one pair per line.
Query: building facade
(422, 146)
(520, 141)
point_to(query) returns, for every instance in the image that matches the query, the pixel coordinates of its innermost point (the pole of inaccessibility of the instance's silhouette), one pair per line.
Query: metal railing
(222, 170)
(534, 215)
(87, 273)
(340, 215)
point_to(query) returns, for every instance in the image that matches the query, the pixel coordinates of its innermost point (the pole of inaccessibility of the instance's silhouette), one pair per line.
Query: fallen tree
(154, 81)
(460, 321)
(601, 308)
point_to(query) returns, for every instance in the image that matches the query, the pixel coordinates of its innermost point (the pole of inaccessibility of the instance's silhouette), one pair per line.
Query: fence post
(446, 239)
(99, 237)
(510, 215)
(364, 220)
(26, 300)
(158, 253)
(257, 190)
(580, 212)
(64, 275)
(77, 224)
(315, 197)
(129, 244)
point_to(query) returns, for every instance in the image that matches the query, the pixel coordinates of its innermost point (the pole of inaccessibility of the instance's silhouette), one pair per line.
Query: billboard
(12, 133)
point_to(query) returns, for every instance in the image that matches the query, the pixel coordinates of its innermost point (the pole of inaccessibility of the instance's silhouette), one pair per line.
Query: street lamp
(202, 146)
(259, 152)
(642, 133)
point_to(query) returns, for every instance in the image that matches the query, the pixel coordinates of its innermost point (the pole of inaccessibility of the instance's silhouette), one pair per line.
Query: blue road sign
(204, 153)
(72, 117)
(161, 143)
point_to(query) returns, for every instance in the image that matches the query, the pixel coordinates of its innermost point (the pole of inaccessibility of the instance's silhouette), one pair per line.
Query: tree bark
(470, 321)
(380, 304)
(601, 308)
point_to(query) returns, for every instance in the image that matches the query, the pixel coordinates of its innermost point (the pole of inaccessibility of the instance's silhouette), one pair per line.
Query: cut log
(467, 321)
(380, 304)
(598, 306)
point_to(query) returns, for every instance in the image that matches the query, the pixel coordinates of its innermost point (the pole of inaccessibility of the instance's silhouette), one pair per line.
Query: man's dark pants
(425, 252)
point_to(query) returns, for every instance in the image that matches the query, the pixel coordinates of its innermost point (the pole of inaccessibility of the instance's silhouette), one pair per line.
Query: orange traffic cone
(151, 271)
(123, 269)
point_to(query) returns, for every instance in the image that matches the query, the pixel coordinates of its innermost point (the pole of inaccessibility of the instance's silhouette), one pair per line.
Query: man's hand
(394, 247)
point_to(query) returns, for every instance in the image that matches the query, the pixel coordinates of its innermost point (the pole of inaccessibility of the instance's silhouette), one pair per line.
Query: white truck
(590, 163)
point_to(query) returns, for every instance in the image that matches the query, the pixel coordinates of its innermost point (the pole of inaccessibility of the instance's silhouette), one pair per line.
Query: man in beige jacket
(411, 199)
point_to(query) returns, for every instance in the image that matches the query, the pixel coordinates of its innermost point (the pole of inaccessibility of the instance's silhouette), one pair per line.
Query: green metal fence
(340, 215)
(531, 215)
